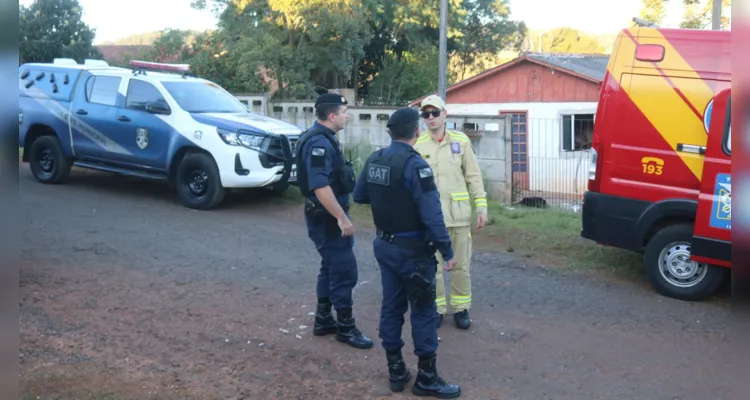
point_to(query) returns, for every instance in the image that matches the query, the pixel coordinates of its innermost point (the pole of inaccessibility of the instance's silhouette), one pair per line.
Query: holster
(320, 216)
(422, 291)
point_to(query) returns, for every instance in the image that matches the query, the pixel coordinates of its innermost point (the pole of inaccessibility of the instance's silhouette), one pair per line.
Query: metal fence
(550, 161)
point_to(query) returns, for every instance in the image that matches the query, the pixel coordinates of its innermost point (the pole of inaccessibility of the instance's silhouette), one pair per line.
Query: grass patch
(553, 237)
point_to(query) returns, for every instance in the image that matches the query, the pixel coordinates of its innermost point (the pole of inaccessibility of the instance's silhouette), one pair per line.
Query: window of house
(577, 131)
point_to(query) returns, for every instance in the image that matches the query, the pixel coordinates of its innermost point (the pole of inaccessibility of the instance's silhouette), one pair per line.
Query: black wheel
(670, 270)
(278, 188)
(47, 160)
(198, 183)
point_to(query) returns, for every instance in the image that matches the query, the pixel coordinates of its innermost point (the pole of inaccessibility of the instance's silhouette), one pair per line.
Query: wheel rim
(46, 161)
(676, 267)
(196, 182)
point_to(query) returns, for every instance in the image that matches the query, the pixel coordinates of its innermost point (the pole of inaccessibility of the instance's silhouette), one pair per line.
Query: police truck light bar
(182, 68)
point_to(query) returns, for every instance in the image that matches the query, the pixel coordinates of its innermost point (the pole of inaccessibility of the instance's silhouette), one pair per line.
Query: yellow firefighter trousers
(460, 296)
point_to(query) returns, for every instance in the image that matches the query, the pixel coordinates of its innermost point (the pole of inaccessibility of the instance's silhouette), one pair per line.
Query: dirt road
(125, 291)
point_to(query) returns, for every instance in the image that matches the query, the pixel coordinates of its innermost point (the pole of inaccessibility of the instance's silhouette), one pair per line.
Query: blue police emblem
(455, 148)
(721, 209)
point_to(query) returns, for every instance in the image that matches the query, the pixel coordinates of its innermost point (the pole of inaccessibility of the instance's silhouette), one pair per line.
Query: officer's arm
(360, 190)
(419, 176)
(473, 178)
(319, 164)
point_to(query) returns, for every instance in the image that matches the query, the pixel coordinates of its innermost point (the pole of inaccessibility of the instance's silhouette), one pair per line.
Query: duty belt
(413, 243)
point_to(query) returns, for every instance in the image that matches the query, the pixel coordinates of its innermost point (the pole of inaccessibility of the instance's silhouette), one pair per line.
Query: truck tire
(47, 160)
(198, 182)
(671, 272)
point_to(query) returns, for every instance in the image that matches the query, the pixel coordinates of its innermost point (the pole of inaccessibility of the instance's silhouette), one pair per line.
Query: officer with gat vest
(398, 184)
(326, 180)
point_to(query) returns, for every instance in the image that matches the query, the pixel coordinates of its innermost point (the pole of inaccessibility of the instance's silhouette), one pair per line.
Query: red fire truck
(660, 179)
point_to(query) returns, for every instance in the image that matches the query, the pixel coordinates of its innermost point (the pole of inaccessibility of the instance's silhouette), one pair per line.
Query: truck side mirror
(158, 107)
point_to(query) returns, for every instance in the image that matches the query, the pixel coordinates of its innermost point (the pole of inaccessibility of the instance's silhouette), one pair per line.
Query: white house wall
(550, 169)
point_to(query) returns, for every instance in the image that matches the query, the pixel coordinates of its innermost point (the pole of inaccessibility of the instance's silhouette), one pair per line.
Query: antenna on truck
(644, 23)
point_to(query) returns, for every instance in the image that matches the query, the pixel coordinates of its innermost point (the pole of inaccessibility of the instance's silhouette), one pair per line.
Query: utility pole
(443, 49)
(716, 16)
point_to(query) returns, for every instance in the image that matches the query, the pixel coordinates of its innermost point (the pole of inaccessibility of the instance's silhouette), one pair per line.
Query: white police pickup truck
(154, 121)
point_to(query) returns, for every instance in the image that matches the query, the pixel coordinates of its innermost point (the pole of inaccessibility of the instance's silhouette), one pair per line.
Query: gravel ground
(124, 291)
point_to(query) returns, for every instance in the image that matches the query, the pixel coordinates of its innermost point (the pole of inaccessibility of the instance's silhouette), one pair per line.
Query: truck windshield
(203, 97)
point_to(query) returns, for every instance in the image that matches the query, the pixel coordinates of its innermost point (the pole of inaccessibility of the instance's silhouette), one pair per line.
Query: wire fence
(550, 161)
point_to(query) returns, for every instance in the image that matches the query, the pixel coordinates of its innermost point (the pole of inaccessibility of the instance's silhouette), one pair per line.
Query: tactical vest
(393, 207)
(341, 179)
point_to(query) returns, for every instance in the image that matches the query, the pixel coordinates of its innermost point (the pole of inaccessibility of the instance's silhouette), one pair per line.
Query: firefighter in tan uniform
(458, 178)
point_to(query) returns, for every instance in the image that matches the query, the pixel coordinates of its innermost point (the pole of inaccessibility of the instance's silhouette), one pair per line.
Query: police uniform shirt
(321, 160)
(420, 182)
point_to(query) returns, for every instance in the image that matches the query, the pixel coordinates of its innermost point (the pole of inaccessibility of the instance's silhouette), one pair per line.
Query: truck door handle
(691, 148)
(82, 112)
(123, 118)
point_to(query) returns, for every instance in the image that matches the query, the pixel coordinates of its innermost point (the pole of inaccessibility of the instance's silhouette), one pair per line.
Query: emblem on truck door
(141, 137)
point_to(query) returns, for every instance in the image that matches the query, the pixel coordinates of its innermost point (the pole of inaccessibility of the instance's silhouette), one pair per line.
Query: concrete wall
(550, 168)
(366, 131)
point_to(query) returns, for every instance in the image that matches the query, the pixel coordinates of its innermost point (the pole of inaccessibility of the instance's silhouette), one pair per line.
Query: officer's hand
(481, 220)
(346, 226)
(450, 264)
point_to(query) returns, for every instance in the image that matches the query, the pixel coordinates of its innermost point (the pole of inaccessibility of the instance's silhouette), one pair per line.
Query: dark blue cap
(330, 99)
(403, 116)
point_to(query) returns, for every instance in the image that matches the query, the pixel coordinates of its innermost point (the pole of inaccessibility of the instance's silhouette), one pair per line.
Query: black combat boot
(348, 332)
(462, 319)
(429, 383)
(398, 375)
(325, 324)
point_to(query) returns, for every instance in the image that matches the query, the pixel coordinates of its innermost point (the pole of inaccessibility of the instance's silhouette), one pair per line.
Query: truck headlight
(228, 137)
(250, 141)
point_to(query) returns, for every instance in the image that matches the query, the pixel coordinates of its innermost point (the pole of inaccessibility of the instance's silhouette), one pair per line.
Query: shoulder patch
(426, 180)
(379, 174)
(318, 156)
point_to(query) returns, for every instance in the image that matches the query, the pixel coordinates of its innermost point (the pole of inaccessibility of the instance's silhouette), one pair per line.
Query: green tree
(569, 40)
(50, 29)
(698, 14)
(347, 43)
(653, 11)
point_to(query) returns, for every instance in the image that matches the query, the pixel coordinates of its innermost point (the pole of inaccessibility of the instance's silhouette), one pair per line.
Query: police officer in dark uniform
(326, 180)
(399, 185)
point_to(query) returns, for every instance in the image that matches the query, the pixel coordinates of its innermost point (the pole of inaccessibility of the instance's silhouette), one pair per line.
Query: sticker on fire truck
(721, 211)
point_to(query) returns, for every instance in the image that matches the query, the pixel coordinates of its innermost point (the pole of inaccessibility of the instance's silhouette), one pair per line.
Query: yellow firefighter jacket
(457, 174)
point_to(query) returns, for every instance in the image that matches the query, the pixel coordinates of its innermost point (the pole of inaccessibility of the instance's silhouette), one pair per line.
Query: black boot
(440, 320)
(462, 319)
(348, 332)
(325, 324)
(429, 383)
(398, 375)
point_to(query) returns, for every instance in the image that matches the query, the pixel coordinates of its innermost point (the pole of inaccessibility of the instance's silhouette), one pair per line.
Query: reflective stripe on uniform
(440, 301)
(458, 196)
(459, 136)
(458, 300)
(480, 202)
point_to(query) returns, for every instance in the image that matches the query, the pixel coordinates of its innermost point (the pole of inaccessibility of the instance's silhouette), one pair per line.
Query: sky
(117, 19)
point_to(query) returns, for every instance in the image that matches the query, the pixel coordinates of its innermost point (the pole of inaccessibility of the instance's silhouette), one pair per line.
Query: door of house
(519, 152)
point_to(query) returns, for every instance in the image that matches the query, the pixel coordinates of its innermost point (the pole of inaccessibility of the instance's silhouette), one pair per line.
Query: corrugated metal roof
(591, 65)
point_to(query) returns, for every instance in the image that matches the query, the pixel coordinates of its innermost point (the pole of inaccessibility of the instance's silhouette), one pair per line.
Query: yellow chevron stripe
(666, 110)
(695, 89)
